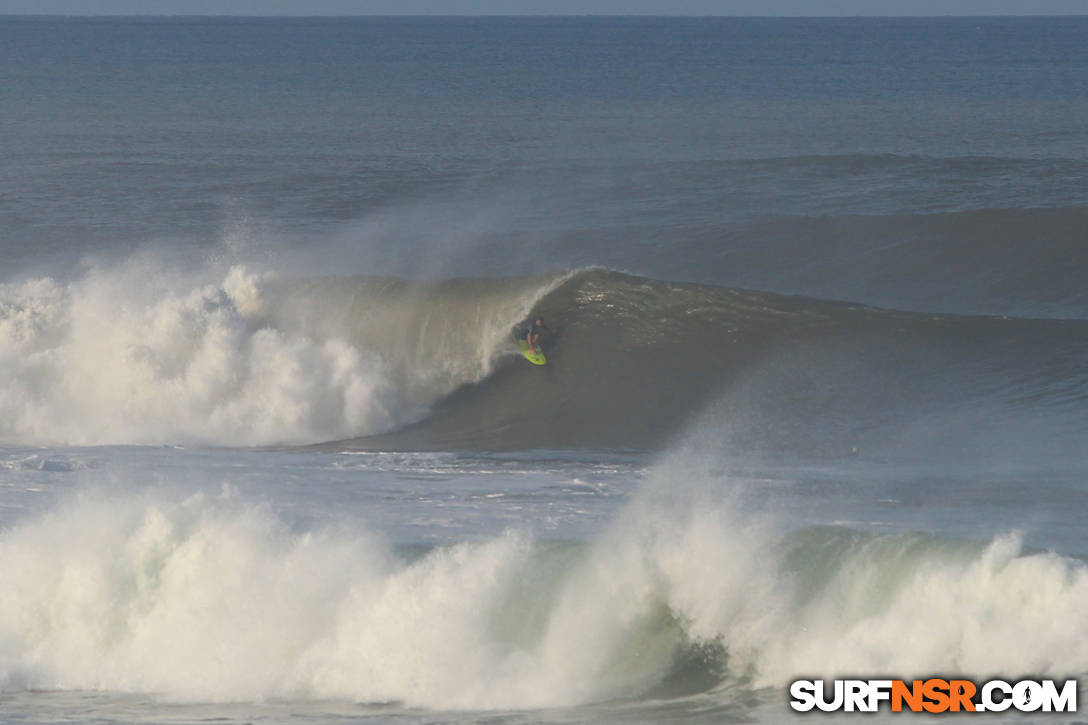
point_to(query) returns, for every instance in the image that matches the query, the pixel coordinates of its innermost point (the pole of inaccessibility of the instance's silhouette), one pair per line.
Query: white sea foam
(141, 354)
(829, 602)
(209, 597)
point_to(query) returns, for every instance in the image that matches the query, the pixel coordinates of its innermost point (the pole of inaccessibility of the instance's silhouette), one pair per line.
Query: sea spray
(207, 597)
(787, 599)
(140, 354)
(694, 587)
(132, 356)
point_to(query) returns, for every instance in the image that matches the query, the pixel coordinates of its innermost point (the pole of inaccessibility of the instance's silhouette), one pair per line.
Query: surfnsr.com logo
(933, 695)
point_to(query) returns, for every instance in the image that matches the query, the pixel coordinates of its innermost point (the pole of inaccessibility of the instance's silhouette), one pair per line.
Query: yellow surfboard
(536, 358)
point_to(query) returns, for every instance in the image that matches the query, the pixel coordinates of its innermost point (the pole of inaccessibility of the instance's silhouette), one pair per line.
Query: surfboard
(536, 358)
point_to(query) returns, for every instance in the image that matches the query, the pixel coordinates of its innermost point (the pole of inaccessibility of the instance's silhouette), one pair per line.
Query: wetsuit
(528, 333)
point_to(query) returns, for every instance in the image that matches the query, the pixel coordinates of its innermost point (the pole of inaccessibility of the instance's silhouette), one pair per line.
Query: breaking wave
(143, 356)
(140, 355)
(210, 597)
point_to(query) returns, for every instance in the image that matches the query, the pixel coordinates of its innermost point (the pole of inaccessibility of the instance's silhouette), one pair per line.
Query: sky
(545, 7)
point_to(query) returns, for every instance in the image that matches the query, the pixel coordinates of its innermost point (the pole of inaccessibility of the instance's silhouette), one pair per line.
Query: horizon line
(332, 16)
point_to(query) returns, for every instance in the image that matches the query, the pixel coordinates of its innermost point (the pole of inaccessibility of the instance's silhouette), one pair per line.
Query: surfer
(532, 334)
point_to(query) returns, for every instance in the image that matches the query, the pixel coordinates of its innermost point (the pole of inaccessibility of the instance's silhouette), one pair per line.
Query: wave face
(211, 598)
(140, 355)
(633, 362)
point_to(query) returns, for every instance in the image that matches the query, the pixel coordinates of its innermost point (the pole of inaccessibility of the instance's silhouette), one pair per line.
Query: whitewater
(815, 402)
(247, 594)
(139, 354)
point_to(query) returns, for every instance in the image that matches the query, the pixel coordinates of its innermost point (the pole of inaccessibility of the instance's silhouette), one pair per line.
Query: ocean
(815, 407)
